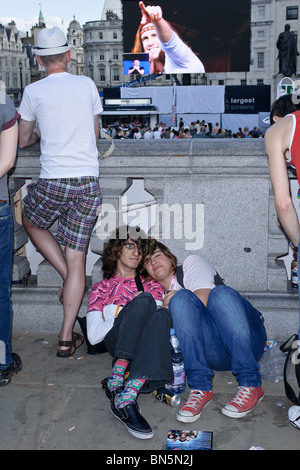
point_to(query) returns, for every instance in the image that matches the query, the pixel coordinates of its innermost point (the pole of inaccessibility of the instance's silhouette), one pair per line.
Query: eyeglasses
(131, 246)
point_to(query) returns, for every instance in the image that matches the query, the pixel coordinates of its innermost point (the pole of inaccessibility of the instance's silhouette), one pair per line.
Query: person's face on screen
(149, 39)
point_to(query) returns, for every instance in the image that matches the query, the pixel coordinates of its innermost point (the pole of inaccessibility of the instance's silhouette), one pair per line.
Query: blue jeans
(141, 334)
(6, 246)
(228, 334)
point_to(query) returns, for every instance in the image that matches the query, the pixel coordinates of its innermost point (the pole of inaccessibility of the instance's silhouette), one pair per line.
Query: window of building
(260, 81)
(102, 75)
(292, 13)
(116, 77)
(260, 60)
(243, 81)
(100, 34)
(91, 72)
(115, 35)
(101, 54)
(15, 80)
(260, 35)
(261, 12)
(115, 54)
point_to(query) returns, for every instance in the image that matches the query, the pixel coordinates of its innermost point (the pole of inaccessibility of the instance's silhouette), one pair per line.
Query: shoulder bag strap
(293, 358)
(111, 148)
(139, 283)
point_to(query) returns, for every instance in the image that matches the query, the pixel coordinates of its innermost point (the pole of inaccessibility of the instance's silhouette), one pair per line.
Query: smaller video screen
(136, 64)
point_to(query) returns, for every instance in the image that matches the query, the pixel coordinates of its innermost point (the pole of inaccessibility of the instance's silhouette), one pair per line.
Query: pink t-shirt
(118, 291)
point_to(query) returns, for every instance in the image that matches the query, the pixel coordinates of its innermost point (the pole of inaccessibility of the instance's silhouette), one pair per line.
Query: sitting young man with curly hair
(125, 312)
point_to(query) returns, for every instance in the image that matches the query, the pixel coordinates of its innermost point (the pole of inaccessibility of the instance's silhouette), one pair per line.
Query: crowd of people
(197, 129)
(142, 294)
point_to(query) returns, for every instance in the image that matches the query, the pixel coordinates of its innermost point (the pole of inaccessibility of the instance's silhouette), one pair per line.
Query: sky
(56, 12)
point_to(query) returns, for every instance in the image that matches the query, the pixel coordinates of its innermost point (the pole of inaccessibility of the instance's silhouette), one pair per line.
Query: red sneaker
(191, 410)
(243, 402)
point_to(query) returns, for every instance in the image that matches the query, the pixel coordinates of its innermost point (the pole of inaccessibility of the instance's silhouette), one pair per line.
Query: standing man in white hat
(65, 108)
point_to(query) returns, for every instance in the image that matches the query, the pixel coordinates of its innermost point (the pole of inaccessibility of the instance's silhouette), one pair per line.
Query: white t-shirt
(64, 106)
(197, 274)
(180, 58)
(148, 135)
(157, 134)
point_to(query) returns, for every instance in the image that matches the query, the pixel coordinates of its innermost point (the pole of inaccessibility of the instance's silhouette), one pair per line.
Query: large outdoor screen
(217, 33)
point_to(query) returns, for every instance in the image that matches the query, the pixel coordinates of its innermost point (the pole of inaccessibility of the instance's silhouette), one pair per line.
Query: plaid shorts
(74, 202)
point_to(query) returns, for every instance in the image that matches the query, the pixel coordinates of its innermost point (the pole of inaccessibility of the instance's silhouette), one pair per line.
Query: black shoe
(133, 420)
(110, 394)
(14, 368)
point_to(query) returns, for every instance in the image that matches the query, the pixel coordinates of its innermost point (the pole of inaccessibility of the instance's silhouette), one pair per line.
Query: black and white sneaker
(110, 394)
(14, 368)
(294, 416)
(133, 420)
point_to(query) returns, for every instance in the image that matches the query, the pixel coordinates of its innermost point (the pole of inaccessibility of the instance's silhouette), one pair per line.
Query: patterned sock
(117, 378)
(130, 392)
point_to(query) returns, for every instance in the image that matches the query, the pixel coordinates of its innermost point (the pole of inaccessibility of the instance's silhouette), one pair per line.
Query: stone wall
(220, 204)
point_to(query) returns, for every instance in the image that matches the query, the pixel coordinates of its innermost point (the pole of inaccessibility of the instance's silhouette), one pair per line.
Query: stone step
(37, 309)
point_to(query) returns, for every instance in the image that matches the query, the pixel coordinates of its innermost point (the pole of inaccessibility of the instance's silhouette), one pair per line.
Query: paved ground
(58, 404)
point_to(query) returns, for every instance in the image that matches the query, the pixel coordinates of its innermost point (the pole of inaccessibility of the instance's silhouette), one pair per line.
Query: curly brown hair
(112, 249)
(149, 247)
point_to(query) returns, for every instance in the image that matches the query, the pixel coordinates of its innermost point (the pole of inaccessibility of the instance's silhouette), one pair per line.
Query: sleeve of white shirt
(25, 109)
(98, 108)
(96, 327)
(197, 273)
(180, 56)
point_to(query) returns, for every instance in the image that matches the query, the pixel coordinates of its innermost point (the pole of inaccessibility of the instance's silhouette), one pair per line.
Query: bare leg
(73, 291)
(71, 268)
(46, 244)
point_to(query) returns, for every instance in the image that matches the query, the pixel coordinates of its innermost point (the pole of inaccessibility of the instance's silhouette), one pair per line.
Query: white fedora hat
(51, 41)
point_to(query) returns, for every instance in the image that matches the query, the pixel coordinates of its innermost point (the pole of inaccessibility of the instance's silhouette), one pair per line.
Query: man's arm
(277, 143)
(97, 127)
(27, 134)
(8, 148)
(153, 14)
(202, 294)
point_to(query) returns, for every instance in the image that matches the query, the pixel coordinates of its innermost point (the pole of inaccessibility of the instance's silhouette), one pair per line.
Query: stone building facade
(75, 38)
(103, 50)
(14, 62)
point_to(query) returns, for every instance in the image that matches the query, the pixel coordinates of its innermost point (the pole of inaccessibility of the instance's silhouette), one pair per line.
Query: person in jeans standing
(10, 363)
(217, 329)
(125, 312)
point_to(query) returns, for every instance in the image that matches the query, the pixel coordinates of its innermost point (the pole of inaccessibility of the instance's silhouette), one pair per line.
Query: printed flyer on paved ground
(189, 440)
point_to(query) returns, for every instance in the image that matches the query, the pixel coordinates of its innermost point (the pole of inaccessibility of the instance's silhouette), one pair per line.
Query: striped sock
(117, 378)
(130, 393)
